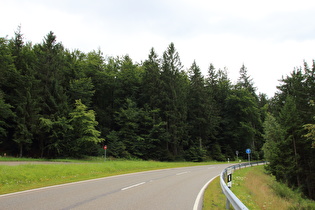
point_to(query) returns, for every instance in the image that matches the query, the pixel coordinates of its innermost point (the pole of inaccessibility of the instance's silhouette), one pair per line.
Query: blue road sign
(248, 151)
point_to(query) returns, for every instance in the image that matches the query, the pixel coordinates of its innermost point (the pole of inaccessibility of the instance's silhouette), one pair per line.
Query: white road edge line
(200, 194)
(135, 185)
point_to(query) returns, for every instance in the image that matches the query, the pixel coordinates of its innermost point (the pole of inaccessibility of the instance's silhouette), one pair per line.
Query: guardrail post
(227, 206)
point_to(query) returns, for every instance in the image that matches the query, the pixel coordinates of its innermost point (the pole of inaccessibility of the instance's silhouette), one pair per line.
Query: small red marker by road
(105, 148)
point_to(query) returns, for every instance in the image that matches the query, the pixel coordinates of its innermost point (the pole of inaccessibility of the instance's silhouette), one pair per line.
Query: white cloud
(269, 37)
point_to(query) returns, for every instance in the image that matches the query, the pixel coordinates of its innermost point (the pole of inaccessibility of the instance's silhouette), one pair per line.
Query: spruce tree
(26, 100)
(151, 81)
(200, 114)
(173, 97)
(53, 101)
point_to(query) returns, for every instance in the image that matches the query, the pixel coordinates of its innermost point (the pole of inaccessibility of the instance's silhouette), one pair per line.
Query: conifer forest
(57, 103)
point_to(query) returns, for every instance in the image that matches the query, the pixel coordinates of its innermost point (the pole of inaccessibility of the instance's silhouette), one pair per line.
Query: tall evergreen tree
(291, 106)
(128, 81)
(54, 101)
(151, 81)
(290, 121)
(220, 88)
(201, 112)
(214, 104)
(273, 135)
(243, 116)
(26, 92)
(173, 94)
(245, 81)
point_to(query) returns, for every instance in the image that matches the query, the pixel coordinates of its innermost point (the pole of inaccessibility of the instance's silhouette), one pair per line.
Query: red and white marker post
(105, 148)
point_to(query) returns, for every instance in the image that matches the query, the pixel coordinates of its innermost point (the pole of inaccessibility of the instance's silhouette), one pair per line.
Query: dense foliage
(289, 131)
(58, 103)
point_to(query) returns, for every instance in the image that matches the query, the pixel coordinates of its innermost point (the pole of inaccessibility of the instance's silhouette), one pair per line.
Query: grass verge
(213, 197)
(257, 190)
(88, 159)
(30, 176)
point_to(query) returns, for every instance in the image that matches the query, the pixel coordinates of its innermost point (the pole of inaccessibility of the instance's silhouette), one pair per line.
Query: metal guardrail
(230, 197)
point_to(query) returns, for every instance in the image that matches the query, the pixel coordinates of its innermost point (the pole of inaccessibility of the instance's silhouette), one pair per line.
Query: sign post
(248, 151)
(229, 177)
(229, 184)
(105, 148)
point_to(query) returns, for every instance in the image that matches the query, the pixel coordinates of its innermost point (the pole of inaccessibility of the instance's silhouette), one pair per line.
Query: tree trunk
(296, 162)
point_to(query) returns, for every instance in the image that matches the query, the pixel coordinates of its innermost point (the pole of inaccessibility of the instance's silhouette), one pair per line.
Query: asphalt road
(160, 189)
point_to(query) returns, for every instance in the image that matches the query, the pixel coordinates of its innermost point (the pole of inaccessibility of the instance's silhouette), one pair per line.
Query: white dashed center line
(183, 173)
(135, 185)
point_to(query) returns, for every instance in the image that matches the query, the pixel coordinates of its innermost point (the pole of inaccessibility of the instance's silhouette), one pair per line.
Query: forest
(60, 103)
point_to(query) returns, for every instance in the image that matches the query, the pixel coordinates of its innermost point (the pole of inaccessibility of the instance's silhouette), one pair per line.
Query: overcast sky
(269, 37)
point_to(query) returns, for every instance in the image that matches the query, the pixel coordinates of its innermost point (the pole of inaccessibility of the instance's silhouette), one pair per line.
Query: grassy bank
(213, 197)
(257, 190)
(30, 176)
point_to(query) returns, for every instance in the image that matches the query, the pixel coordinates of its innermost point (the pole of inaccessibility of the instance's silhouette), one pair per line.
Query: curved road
(172, 189)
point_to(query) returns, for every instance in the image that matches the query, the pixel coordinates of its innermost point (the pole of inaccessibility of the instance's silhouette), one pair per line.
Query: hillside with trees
(289, 131)
(60, 103)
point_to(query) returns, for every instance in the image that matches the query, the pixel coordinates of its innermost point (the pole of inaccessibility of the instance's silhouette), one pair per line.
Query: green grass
(30, 176)
(88, 159)
(213, 197)
(257, 190)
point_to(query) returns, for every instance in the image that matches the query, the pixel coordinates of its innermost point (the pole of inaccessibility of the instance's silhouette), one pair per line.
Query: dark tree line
(289, 131)
(58, 103)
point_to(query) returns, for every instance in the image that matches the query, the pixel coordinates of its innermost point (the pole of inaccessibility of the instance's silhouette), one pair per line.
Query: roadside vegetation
(30, 176)
(257, 190)
(59, 103)
(213, 197)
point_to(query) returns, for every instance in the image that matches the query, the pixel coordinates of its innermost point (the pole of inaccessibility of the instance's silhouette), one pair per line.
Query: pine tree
(245, 81)
(128, 81)
(25, 98)
(219, 88)
(200, 112)
(151, 81)
(291, 106)
(273, 135)
(54, 101)
(290, 121)
(174, 84)
(243, 115)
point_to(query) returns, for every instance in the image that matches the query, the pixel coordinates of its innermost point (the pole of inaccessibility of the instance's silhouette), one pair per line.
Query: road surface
(171, 189)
